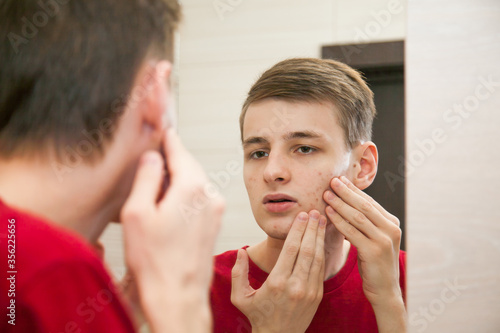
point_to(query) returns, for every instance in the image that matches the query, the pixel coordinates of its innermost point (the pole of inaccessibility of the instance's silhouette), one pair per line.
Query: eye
(305, 149)
(258, 154)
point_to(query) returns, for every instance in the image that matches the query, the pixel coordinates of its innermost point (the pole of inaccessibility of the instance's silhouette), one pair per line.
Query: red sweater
(55, 282)
(344, 307)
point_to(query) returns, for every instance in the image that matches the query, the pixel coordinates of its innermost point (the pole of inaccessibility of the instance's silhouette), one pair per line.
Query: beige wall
(453, 216)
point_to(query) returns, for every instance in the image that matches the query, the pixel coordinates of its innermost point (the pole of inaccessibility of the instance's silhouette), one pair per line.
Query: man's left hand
(376, 235)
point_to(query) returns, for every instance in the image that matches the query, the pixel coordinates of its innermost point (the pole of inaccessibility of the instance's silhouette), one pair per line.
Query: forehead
(273, 118)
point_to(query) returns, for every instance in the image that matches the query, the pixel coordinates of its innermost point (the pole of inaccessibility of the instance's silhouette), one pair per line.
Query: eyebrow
(254, 140)
(287, 137)
(301, 135)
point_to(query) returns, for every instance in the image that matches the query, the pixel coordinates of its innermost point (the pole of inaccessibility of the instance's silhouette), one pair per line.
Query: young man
(306, 131)
(83, 95)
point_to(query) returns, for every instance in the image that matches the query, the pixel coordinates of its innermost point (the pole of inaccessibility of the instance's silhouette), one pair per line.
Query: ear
(151, 94)
(365, 165)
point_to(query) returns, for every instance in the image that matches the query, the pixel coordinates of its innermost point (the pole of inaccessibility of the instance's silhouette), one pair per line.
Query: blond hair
(319, 80)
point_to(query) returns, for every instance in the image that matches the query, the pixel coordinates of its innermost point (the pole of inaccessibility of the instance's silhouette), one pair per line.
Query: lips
(278, 203)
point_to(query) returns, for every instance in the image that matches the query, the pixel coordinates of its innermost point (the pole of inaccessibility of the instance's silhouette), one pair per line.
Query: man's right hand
(169, 243)
(294, 288)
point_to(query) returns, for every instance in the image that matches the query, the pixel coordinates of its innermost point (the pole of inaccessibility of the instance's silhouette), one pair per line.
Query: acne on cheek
(319, 206)
(315, 196)
(326, 177)
(318, 202)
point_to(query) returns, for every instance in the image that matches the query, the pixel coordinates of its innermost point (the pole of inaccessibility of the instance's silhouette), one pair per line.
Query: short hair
(67, 65)
(319, 80)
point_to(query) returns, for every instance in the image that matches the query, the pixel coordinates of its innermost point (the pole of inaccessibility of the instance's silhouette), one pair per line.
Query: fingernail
(345, 180)
(330, 210)
(314, 215)
(303, 216)
(337, 182)
(329, 195)
(238, 256)
(322, 221)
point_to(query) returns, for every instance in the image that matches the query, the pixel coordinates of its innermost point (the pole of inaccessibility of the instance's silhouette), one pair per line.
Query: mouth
(278, 203)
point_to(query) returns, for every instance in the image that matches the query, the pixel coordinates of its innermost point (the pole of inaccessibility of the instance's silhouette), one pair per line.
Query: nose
(277, 169)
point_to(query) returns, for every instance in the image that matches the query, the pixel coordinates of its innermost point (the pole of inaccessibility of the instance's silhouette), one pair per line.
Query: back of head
(67, 66)
(320, 80)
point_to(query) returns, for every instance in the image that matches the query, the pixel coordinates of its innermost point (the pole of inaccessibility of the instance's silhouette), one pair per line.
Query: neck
(77, 201)
(266, 253)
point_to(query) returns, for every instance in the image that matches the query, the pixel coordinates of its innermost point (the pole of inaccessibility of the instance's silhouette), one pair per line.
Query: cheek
(251, 186)
(249, 181)
(315, 189)
(342, 165)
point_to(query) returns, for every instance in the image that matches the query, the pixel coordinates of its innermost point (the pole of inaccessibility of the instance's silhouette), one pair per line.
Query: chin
(277, 235)
(277, 228)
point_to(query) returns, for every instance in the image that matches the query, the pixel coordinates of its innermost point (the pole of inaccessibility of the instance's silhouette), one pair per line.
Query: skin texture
(303, 157)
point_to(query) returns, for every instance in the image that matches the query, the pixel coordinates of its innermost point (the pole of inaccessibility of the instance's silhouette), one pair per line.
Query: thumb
(240, 286)
(144, 190)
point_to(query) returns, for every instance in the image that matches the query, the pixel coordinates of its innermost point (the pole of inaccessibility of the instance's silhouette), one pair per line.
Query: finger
(307, 249)
(146, 186)
(184, 171)
(217, 206)
(353, 235)
(375, 204)
(354, 216)
(179, 161)
(356, 201)
(207, 229)
(317, 274)
(174, 153)
(240, 286)
(288, 255)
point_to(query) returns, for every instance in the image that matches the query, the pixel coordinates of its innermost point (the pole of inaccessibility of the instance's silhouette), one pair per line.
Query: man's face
(291, 152)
